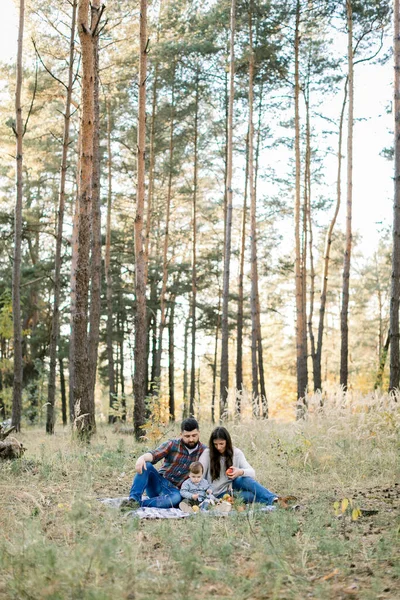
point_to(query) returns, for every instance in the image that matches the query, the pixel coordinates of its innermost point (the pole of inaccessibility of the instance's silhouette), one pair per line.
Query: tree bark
(215, 365)
(107, 269)
(95, 264)
(382, 362)
(50, 419)
(185, 367)
(344, 326)
(157, 377)
(395, 286)
(140, 266)
(239, 342)
(194, 252)
(63, 393)
(16, 280)
(171, 361)
(84, 414)
(301, 333)
(224, 379)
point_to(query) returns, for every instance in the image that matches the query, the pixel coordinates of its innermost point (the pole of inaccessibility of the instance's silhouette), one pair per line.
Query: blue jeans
(251, 491)
(161, 493)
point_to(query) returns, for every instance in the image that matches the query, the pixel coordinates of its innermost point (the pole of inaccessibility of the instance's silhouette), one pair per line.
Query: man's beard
(190, 445)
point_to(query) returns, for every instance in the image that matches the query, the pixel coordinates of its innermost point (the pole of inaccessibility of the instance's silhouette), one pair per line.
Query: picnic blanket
(173, 513)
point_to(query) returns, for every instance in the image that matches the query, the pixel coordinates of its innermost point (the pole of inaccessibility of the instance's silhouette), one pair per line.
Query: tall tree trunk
(84, 413)
(140, 266)
(382, 362)
(344, 325)
(107, 269)
(301, 333)
(185, 367)
(224, 379)
(50, 419)
(395, 287)
(95, 265)
(215, 365)
(63, 392)
(317, 368)
(239, 343)
(74, 256)
(166, 240)
(16, 280)
(171, 361)
(194, 251)
(253, 260)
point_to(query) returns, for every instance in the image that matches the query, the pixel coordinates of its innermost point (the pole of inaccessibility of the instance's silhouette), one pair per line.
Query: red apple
(229, 471)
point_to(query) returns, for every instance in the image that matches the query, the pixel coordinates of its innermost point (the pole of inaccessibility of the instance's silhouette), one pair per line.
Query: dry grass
(59, 542)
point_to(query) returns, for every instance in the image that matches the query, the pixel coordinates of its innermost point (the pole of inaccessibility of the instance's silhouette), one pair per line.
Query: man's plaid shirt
(177, 460)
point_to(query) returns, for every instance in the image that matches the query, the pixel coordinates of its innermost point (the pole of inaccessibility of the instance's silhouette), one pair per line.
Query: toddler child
(195, 490)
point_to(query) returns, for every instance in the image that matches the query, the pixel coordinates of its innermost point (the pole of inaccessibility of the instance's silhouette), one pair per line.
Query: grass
(58, 542)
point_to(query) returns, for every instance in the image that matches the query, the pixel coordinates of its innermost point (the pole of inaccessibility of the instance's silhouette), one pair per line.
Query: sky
(373, 175)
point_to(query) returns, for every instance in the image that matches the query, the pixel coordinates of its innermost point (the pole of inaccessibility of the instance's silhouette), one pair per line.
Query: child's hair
(196, 468)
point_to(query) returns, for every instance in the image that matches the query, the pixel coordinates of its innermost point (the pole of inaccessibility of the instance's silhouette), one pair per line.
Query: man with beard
(162, 487)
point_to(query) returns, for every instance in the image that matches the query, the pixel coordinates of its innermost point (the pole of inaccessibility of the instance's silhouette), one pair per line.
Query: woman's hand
(234, 473)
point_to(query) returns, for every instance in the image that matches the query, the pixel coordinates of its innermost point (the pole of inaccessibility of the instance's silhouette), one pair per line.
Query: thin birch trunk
(344, 325)
(108, 277)
(16, 280)
(328, 244)
(194, 252)
(395, 287)
(301, 347)
(224, 379)
(140, 259)
(50, 418)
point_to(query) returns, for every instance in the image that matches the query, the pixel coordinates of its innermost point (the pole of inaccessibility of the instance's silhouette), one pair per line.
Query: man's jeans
(251, 491)
(161, 493)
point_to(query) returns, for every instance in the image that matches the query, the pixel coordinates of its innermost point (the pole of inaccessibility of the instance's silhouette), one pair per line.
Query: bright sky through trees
(373, 183)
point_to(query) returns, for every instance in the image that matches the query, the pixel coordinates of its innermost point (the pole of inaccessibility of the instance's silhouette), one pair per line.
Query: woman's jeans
(161, 493)
(251, 491)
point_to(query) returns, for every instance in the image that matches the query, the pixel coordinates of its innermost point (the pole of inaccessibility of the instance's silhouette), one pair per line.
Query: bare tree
(140, 263)
(16, 281)
(50, 419)
(395, 289)
(224, 379)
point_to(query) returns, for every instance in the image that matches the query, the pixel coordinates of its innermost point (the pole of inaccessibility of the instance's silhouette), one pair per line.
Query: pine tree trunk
(157, 377)
(185, 368)
(50, 419)
(140, 266)
(382, 362)
(344, 326)
(395, 287)
(224, 379)
(16, 280)
(108, 277)
(63, 392)
(194, 252)
(301, 338)
(171, 361)
(239, 335)
(84, 413)
(74, 256)
(215, 363)
(317, 368)
(95, 264)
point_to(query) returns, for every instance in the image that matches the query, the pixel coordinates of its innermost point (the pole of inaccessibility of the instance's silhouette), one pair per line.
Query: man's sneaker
(185, 507)
(285, 501)
(129, 504)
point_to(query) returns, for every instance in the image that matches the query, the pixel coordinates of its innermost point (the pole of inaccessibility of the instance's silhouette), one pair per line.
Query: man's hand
(235, 472)
(141, 462)
(195, 496)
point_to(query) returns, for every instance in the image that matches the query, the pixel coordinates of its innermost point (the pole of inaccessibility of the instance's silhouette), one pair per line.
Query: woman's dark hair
(220, 433)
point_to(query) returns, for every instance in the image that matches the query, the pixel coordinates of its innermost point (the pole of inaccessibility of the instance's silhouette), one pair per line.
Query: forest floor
(59, 542)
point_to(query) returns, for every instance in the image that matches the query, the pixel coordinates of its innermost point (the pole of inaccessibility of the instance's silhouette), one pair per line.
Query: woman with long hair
(227, 469)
